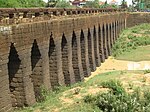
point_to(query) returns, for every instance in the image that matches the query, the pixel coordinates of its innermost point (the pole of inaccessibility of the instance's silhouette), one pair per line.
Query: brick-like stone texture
(65, 60)
(137, 18)
(101, 44)
(55, 52)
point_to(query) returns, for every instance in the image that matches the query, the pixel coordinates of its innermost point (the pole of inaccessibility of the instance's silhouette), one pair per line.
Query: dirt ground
(74, 95)
(112, 64)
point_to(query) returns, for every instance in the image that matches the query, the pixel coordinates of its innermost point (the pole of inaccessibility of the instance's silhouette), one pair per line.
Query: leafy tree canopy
(63, 4)
(92, 4)
(146, 3)
(21, 3)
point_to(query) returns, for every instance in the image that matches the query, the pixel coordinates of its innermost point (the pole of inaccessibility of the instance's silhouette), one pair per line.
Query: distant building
(113, 2)
(78, 3)
(101, 3)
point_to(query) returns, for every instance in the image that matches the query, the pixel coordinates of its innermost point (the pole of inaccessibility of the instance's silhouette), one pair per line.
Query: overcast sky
(128, 1)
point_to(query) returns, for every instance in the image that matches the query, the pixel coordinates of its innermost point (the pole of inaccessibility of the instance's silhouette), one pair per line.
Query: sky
(128, 1)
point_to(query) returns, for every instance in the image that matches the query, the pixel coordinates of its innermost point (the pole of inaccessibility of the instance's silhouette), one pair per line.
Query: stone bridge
(46, 48)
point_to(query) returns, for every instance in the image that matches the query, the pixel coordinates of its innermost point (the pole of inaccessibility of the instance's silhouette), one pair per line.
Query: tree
(137, 3)
(92, 4)
(21, 3)
(51, 3)
(147, 3)
(9, 3)
(106, 2)
(62, 4)
(124, 4)
(105, 5)
(96, 3)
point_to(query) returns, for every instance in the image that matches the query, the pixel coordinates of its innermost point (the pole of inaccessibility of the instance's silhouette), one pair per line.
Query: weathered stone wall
(52, 53)
(137, 18)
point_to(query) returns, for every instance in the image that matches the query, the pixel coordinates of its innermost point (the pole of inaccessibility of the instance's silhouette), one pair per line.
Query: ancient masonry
(52, 47)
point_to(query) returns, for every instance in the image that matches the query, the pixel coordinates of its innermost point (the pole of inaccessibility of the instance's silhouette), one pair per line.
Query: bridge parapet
(26, 15)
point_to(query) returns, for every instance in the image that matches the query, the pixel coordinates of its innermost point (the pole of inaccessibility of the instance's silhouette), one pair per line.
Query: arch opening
(83, 52)
(95, 46)
(113, 32)
(104, 42)
(53, 63)
(75, 58)
(15, 78)
(90, 50)
(100, 39)
(111, 35)
(108, 38)
(36, 76)
(65, 62)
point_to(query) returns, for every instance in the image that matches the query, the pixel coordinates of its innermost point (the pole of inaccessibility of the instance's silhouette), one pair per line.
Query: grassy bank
(129, 45)
(76, 98)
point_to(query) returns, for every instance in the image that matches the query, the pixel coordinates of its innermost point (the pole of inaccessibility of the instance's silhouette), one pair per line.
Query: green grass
(141, 53)
(53, 102)
(103, 77)
(128, 44)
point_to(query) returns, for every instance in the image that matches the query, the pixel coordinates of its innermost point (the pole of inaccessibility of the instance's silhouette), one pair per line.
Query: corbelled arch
(15, 73)
(96, 46)
(65, 61)
(111, 35)
(105, 41)
(108, 38)
(117, 29)
(101, 44)
(54, 78)
(37, 75)
(83, 52)
(113, 31)
(90, 50)
(75, 60)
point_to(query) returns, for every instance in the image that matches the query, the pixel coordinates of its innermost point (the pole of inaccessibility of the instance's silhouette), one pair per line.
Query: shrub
(146, 71)
(115, 86)
(122, 101)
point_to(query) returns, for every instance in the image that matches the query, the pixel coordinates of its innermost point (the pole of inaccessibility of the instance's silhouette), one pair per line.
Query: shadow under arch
(53, 63)
(36, 64)
(15, 78)
(65, 62)
(90, 50)
(100, 39)
(95, 45)
(104, 36)
(75, 58)
(83, 53)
